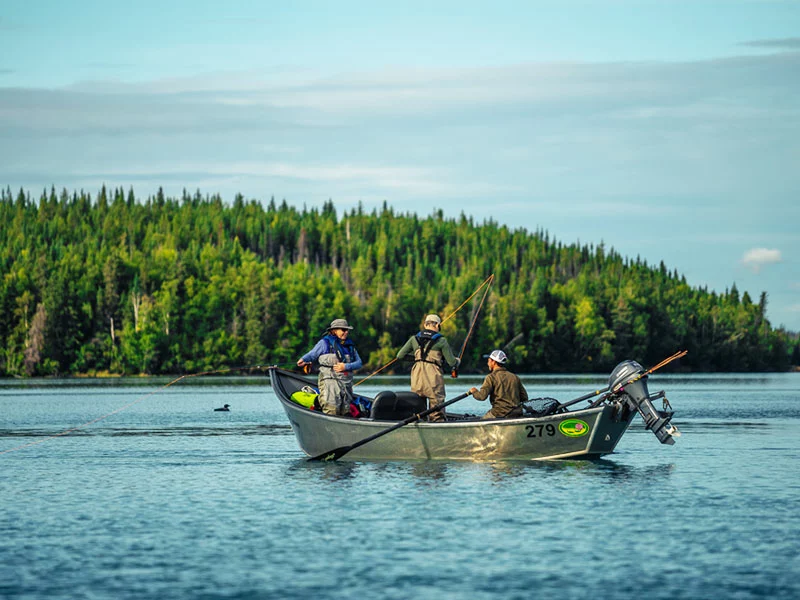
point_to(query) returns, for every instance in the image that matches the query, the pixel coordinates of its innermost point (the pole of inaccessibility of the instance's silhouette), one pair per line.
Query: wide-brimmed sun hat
(339, 324)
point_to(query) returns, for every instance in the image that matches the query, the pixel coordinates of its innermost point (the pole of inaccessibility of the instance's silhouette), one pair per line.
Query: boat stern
(628, 391)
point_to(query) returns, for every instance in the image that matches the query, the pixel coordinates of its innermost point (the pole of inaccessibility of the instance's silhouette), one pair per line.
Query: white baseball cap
(498, 356)
(433, 319)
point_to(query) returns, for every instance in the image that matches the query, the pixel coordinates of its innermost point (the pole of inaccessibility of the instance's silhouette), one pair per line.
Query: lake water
(169, 499)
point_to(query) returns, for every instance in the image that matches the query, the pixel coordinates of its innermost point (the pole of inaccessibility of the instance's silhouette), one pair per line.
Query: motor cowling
(628, 382)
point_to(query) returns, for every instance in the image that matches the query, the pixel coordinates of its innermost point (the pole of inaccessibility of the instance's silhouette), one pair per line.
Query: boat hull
(577, 434)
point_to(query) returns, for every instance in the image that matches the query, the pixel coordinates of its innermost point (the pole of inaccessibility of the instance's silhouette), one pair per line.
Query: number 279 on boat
(540, 430)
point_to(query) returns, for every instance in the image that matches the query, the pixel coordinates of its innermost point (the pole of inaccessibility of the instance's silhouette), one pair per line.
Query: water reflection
(435, 473)
(237, 430)
(430, 473)
(622, 473)
(332, 471)
(603, 468)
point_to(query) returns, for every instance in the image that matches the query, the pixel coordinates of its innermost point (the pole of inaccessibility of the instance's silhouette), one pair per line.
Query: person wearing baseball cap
(503, 388)
(337, 357)
(431, 353)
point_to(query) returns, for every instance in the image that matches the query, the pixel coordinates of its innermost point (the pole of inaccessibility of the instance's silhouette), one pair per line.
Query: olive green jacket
(504, 390)
(426, 375)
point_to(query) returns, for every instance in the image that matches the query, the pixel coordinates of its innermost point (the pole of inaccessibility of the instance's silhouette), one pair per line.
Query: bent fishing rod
(448, 317)
(490, 280)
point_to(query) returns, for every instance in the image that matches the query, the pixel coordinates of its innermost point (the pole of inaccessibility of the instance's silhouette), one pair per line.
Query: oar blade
(330, 455)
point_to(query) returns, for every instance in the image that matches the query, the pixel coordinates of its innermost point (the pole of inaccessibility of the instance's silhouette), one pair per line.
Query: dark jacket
(504, 390)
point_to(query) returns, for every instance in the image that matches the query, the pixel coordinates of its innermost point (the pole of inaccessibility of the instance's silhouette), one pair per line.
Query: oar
(337, 453)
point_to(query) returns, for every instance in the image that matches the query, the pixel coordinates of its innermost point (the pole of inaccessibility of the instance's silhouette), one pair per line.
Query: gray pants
(335, 396)
(335, 389)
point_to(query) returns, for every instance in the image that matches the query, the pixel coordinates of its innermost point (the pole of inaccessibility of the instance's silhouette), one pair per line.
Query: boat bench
(396, 406)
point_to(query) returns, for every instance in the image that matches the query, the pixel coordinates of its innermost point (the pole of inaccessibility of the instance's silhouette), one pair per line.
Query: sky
(668, 131)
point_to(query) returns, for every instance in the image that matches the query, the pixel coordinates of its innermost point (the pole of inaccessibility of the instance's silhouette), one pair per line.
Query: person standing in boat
(431, 354)
(503, 388)
(338, 358)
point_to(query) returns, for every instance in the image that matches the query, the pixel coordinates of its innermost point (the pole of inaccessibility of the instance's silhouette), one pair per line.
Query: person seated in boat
(503, 388)
(337, 358)
(431, 353)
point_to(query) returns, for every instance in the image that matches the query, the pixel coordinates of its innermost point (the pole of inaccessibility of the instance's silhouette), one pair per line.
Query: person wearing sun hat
(503, 388)
(431, 352)
(337, 358)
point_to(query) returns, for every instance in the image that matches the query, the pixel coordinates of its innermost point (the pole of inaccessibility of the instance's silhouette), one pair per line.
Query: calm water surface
(169, 499)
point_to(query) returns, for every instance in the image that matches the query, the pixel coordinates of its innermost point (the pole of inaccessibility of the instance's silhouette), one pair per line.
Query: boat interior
(385, 406)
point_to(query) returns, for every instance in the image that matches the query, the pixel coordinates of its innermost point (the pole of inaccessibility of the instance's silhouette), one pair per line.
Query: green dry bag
(304, 398)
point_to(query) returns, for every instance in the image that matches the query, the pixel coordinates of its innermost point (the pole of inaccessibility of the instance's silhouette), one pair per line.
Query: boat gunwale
(477, 421)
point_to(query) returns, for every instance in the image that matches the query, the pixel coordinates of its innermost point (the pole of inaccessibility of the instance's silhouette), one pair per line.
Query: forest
(119, 285)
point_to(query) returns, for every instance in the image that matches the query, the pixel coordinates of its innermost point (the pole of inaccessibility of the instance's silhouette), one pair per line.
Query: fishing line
(394, 360)
(391, 362)
(475, 318)
(487, 281)
(140, 399)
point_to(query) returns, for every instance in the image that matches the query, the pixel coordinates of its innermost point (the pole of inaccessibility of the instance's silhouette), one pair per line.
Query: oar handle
(415, 417)
(337, 453)
(433, 409)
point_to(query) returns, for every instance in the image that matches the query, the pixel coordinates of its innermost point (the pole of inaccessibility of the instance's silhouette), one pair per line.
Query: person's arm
(407, 347)
(313, 354)
(447, 354)
(486, 389)
(523, 394)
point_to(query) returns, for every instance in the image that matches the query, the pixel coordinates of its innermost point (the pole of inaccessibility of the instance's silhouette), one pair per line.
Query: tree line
(114, 284)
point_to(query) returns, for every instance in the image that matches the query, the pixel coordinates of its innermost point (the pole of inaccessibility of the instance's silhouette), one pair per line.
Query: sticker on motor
(573, 428)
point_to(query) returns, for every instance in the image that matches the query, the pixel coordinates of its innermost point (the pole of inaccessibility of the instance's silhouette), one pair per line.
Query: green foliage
(165, 286)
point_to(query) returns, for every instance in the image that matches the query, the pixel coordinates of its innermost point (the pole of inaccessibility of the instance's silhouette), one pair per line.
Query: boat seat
(396, 406)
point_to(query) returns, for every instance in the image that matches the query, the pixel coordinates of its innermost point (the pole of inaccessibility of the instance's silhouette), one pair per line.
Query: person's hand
(472, 390)
(301, 363)
(339, 367)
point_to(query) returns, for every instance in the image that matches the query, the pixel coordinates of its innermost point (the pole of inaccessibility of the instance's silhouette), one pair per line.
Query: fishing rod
(394, 360)
(666, 361)
(516, 338)
(141, 398)
(454, 372)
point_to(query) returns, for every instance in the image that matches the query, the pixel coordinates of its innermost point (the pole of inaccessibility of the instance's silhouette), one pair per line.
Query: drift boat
(556, 432)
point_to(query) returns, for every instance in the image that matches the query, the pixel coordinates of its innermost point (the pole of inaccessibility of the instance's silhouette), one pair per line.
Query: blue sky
(666, 130)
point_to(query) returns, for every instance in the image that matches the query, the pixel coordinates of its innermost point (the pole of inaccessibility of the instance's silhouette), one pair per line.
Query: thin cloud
(110, 66)
(411, 180)
(756, 258)
(785, 43)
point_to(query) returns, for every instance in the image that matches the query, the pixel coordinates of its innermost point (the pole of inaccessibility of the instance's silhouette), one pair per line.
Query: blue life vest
(426, 339)
(345, 351)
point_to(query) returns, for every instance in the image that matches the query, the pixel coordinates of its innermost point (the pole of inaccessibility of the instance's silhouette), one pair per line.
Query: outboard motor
(628, 382)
